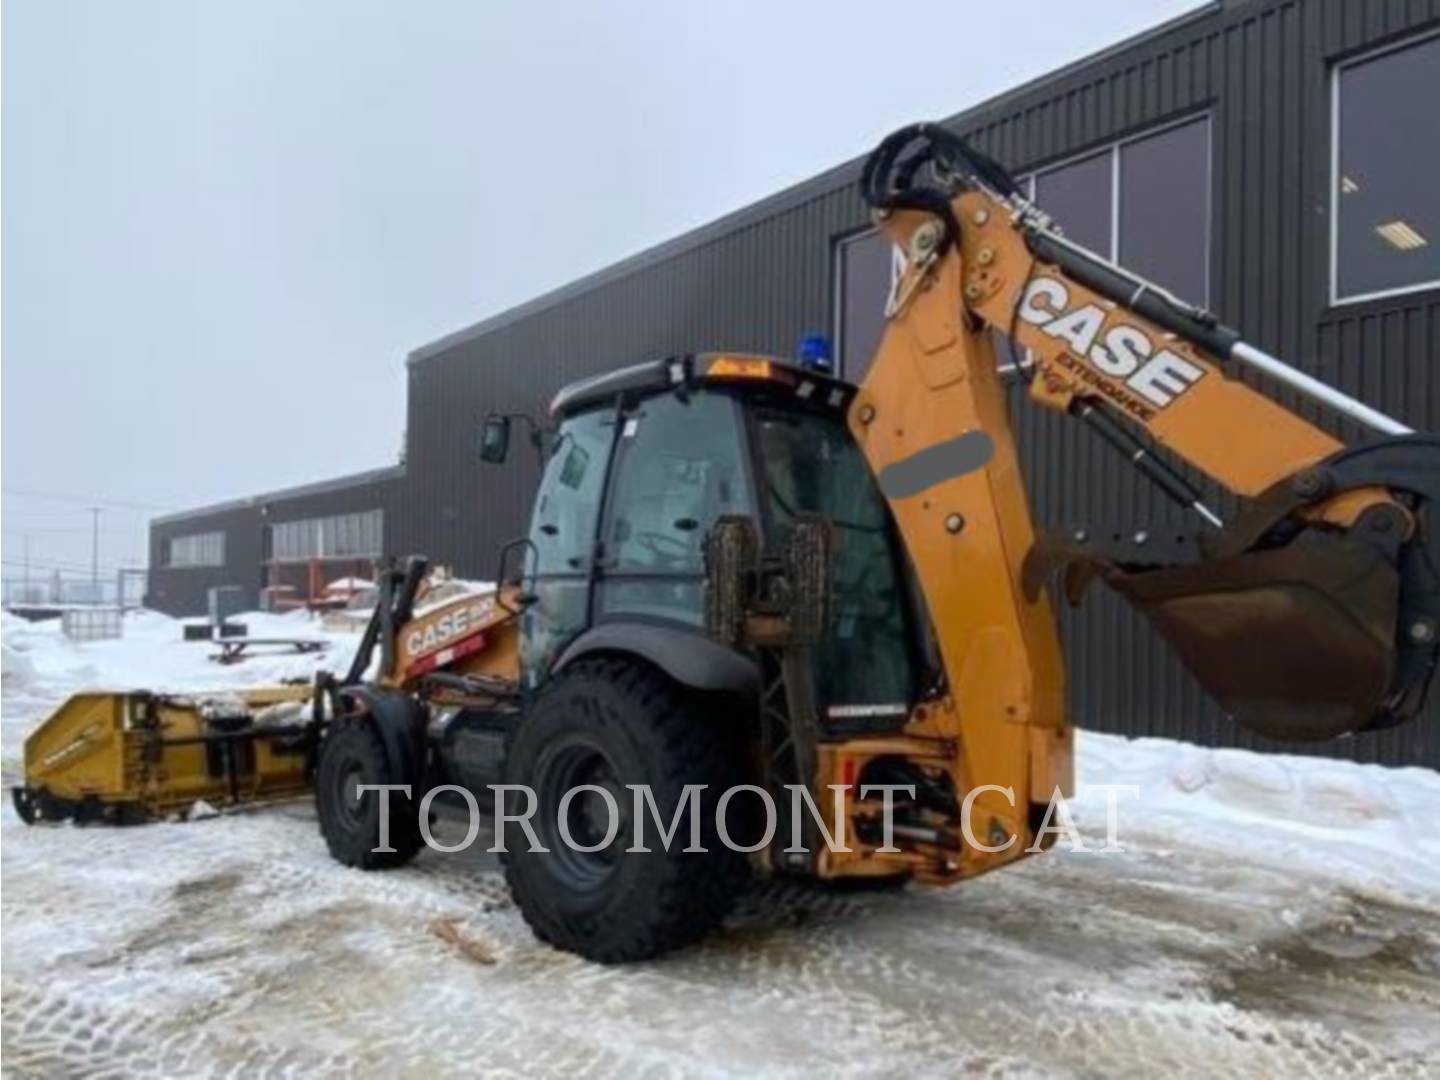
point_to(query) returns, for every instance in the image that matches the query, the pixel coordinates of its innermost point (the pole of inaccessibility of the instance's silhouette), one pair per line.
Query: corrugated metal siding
(761, 278)
(184, 590)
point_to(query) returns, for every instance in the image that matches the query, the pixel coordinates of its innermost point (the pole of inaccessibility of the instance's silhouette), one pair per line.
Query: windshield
(811, 465)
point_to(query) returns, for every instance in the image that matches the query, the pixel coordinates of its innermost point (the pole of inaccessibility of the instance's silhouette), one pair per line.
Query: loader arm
(1309, 614)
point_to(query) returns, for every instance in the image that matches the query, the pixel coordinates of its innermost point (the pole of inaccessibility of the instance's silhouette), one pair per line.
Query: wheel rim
(349, 775)
(568, 765)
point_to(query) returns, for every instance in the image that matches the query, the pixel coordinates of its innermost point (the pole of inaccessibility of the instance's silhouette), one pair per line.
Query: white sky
(223, 220)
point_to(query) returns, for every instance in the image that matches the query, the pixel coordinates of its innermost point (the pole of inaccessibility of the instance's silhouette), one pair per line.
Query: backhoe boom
(1311, 613)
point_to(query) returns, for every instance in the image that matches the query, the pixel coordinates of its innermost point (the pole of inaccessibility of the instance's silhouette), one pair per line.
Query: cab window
(811, 465)
(680, 466)
(562, 528)
(568, 503)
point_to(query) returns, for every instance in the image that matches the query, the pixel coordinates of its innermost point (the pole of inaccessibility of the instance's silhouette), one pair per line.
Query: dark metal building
(1272, 158)
(272, 540)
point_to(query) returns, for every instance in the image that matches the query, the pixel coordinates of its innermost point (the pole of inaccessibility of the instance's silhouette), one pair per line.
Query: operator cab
(643, 463)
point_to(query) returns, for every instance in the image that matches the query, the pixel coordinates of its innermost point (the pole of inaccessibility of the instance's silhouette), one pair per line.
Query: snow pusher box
(131, 757)
(127, 757)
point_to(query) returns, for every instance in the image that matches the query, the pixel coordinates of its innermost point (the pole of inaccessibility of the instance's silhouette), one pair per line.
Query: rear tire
(353, 754)
(613, 722)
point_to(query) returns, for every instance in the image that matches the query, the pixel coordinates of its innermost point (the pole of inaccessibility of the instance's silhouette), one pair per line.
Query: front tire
(353, 754)
(610, 723)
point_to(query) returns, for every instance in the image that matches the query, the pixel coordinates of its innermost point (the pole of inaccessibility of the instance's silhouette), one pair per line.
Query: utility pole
(26, 594)
(95, 553)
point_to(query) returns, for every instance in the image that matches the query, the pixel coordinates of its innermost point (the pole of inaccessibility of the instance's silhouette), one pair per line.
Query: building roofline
(319, 487)
(814, 187)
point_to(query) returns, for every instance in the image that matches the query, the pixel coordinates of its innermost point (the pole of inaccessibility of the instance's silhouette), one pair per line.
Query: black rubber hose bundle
(888, 178)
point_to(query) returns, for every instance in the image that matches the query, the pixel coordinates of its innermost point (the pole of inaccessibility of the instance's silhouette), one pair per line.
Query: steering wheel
(668, 550)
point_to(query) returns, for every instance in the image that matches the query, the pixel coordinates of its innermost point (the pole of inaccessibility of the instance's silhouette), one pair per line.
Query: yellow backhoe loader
(744, 571)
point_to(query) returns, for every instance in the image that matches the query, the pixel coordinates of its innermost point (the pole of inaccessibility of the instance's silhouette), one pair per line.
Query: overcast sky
(226, 223)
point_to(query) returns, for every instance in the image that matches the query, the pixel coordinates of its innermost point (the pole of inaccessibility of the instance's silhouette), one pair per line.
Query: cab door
(679, 466)
(563, 531)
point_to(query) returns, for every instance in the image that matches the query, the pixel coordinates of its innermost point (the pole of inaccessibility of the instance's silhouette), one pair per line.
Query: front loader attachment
(1300, 630)
(131, 756)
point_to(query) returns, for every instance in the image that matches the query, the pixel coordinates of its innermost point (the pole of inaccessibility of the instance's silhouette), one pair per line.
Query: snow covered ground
(1269, 917)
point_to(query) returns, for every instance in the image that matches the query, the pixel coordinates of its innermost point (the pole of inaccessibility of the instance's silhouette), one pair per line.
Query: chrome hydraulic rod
(1159, 304)
(1316, 390)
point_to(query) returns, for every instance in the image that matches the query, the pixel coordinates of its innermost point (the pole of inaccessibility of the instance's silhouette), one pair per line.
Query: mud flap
(400, 721)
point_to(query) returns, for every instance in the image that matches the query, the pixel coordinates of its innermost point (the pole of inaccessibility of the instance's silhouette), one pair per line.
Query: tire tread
(694, 893)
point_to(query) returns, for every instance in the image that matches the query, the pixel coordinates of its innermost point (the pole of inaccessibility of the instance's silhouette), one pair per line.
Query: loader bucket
(1295, 643)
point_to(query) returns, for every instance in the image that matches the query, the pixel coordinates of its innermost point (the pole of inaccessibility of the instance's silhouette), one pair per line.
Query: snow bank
(41, 666)
(151, 654)
(15, 667)
(1367, 827)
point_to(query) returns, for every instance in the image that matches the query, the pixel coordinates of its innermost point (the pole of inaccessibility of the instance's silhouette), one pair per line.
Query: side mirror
(495, 440)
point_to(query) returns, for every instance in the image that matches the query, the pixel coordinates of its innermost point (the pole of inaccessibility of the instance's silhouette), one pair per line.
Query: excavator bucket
(1296, 643)
(1300, 631)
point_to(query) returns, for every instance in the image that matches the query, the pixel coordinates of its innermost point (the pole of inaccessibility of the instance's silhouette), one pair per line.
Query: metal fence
(92, 624)
(125, 590)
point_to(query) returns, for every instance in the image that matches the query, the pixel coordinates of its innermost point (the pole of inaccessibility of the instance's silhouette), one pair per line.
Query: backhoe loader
(742, 571)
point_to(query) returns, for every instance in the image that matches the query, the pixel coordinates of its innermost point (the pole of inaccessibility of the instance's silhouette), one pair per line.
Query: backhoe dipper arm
(1310, 614)
(1087, 348)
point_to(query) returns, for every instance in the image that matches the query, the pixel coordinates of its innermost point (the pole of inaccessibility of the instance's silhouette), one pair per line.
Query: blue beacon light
(816, 353)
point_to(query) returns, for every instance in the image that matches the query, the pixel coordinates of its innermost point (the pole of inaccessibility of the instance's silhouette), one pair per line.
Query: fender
(399, 719)
(687, 656)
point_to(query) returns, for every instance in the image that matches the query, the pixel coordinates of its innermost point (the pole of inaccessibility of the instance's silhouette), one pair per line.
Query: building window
(1143, 202)
(865, 266)
(197, 549)
(1079, 195)
(1163, 231)
(1386, 223)
(359, 535)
